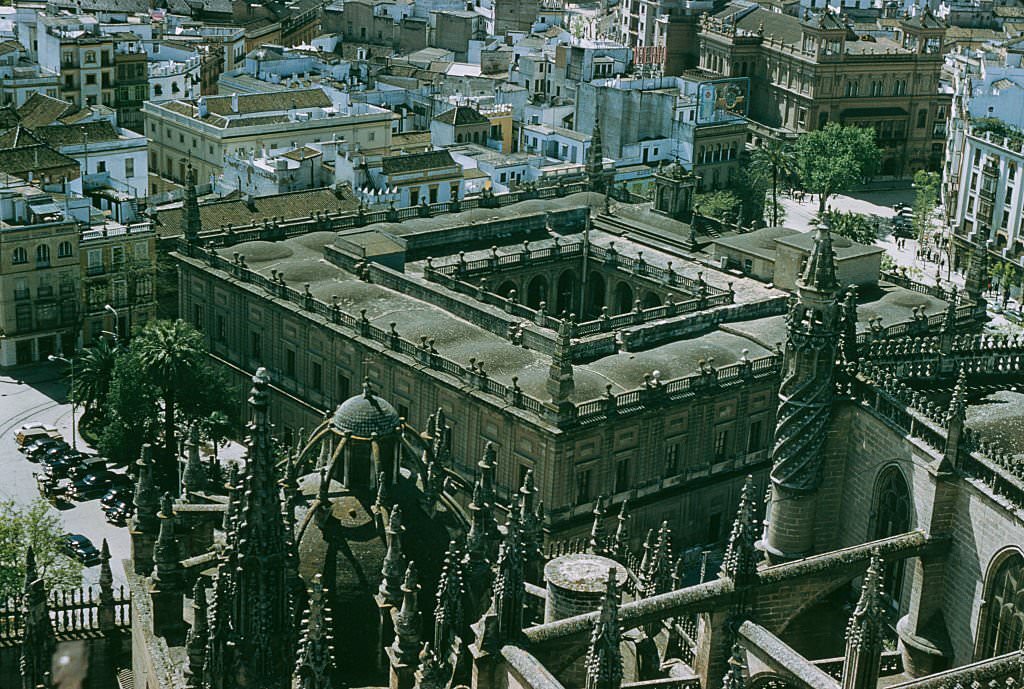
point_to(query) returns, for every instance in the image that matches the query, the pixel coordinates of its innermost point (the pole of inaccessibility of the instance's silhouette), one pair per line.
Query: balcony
(95, 270)
(20, 294)
(42, 263)
(44, 291)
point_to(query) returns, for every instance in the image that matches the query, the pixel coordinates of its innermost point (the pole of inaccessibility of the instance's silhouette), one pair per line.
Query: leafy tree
(833, 159)
(750, 186)
(775, 160)
(926, 199)
(856, 226)
(721, 205)
(35, 524)
(131, 414)
(94, 368)
(172, 357)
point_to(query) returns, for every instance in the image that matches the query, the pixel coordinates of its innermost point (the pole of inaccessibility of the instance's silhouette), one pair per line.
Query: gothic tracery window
(1003, 629)
(892, 517)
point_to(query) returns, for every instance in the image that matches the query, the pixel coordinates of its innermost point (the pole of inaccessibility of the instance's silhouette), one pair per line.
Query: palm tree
(775, 158)
(93, 370)
(174, 358)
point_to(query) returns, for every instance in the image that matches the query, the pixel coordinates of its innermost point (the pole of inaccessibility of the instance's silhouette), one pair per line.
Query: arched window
(1004, 607)
(64, 250)
(892, 517)
(43, 254)
(19, 255)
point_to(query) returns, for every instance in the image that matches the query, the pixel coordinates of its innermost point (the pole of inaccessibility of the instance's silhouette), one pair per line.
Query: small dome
(366, 414)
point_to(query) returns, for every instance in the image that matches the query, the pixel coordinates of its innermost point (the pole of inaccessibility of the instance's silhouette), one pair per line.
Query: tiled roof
(92, 132)
(460, 115)
(36, 158)
(41, 110)
(9, 47)
(18, 136)
(297, 204)
(269, 102)
(428, 160)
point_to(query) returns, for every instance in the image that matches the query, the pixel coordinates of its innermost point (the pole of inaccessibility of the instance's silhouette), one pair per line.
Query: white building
(20, 77)
(984, 162)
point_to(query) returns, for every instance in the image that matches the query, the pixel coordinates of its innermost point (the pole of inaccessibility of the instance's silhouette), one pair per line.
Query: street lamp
(113, 336)
(71, 363)
(112, 311)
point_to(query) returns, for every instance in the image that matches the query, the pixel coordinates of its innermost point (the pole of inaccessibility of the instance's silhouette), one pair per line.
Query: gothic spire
(394, 561)
(604, 658)
(450, 594)
(661, 566)
(620, 542)
(956, 418)
(596, 544)
(198, 636)
(407, 622)
(38, 641)
(848, 326)
(258, 569)
(147, 499)
(166, 554)
(507, 595)
(314, 666)
(741, 555)
(864, 632)
(193, 479)
(820, 271)
(431, 672)
(191, 224)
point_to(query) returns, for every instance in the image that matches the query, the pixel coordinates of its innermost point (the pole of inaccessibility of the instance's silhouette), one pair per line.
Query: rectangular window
(755, 436)
(222, 328)
(289, 363)
(197, 316)
(129, 167)
(117, 256)
(101, 166)
(316, 376)
(721, 443)
(583, 487)
(342, 387)
(141, 251)
(622, 476)
(256, 345)
(672, 460)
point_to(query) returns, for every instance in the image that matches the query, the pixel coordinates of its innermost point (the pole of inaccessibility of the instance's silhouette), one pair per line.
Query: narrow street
(37, 394)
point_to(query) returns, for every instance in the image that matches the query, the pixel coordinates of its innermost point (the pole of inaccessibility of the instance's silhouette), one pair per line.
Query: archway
(567, 292)
(892, 516)
(1002, 625)
(623, 298)
(651, 300)
(595, 294)
(506, 288)
(537, 291)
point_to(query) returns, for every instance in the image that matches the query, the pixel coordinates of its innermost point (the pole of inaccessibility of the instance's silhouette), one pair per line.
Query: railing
(75, 614)
(891, 664)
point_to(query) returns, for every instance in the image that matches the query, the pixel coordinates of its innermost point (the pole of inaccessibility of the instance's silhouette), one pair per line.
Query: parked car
(116, 495)
(38, 448)
(95, 484)
(87, 464)
(119, 512)
(81, 548)
(34, 430)
(61, 467)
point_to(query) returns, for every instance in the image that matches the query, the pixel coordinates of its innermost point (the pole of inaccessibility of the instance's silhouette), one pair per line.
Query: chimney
(234, 102)
(201, 104)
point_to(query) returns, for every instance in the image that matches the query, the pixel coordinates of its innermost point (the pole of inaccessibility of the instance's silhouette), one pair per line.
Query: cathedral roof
(366, 414)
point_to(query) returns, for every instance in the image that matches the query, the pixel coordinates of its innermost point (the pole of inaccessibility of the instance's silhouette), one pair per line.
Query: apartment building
(807, 72)
(204, 130)
(74, 48)
(984, 160)
(20, 77)
(39, 275)
(118, 269)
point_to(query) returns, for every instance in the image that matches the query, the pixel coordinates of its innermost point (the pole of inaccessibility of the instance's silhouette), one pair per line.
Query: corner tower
(805, 405)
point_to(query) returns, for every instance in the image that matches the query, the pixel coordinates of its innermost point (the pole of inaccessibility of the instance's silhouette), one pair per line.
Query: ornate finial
(393, 566)
(735, 677)
(820, 271)
(864, 635)
(198, 636)
(450, 593)
(620, 542)
(741, 556)
(597, 536)
(314, 664)
(604, 659)
(166, 553)
(407, 623)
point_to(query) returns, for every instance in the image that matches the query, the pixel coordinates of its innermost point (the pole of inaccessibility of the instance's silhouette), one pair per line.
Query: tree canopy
(835, 158)
(161, 380)
(856, 226)
(926, 200)
(774, 160)
(38, 525)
